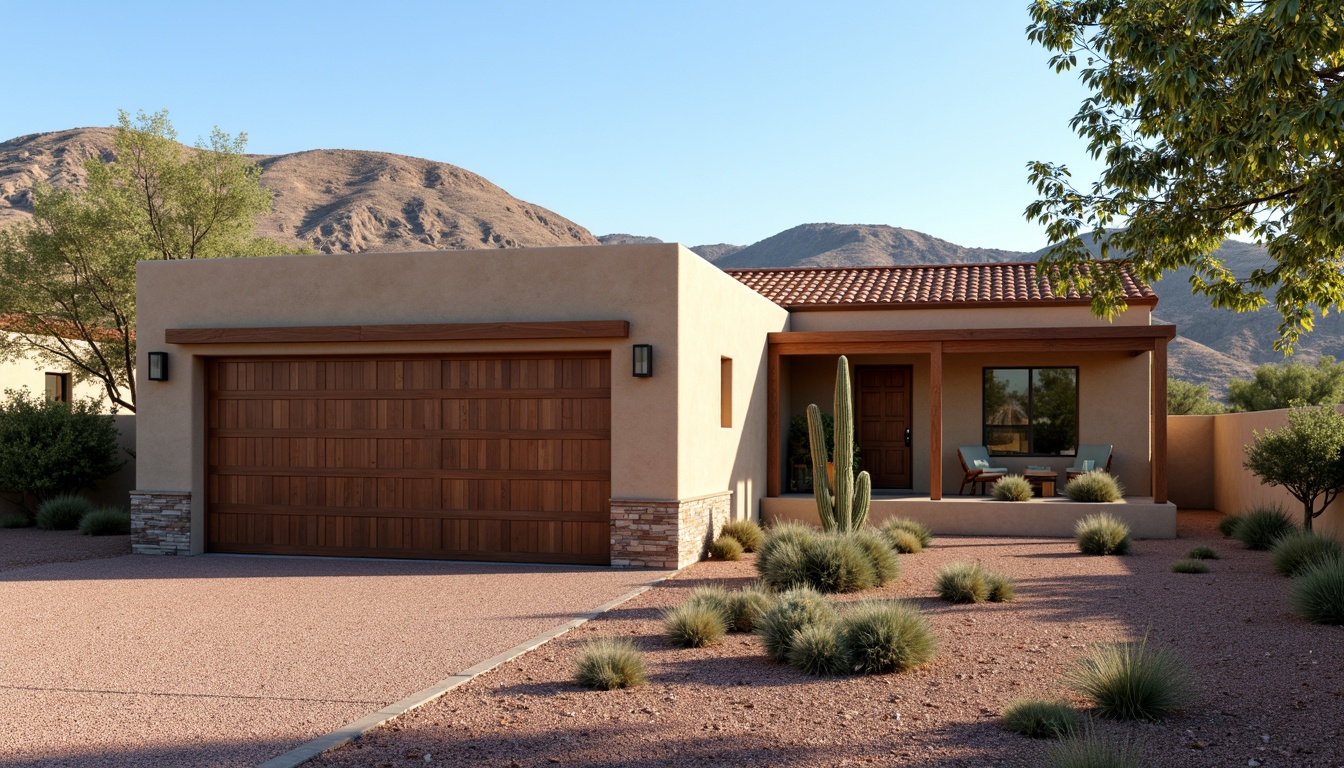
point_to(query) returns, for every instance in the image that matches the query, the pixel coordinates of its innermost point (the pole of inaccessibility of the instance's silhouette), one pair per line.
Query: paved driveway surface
(228, 661)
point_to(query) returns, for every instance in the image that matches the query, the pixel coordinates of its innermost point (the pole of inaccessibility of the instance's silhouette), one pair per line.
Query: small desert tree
(1185, 399)
(1306, 457)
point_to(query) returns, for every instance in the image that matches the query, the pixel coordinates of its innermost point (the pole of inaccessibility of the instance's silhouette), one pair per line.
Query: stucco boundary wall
(651, 533)
(1204, 464)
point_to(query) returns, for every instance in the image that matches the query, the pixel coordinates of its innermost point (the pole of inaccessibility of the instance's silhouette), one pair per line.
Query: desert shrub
(710, 596)
(1296, 550)
(1040, 719)
(609, 663)
(962, 583)
(1102, 534)
(14, 520)
(695, 625)
(1202, 553)
(49, 448)
(886, 565)
(783, 565)
(878, 637)
(921, 531)
(798, 534)
(1189, 566)
(1001, 588)
(1318, 592)
(1097, 486)
(1261, 526)
(1090, 749)
(63, 513)
(815, 649)
(904, 542)
(108, 521)
(746, 607)
(1227, 525)
(837, 564)
(1130, 681)
(793, 610)
(831, 562)
(1011, 488)
(747, 533)
(726, 548)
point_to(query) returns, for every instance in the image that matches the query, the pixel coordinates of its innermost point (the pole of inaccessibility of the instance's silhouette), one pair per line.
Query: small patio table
(1042, 481)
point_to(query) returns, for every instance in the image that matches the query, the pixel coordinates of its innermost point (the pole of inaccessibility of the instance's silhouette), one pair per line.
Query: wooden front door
(452, 457)
(883, 405)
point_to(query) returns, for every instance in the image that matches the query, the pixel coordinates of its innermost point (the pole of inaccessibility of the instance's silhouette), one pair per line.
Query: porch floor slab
(983, 516)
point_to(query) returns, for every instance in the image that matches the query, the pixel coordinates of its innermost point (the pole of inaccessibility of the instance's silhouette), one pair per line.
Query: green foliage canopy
(49, 448)
(67, 277)
(1214, 118)
(1185, 399)
(1285, 386)
(1305, 457)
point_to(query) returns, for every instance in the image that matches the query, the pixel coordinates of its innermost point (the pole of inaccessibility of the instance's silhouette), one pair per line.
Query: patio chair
(975, 463)
(1099, 455)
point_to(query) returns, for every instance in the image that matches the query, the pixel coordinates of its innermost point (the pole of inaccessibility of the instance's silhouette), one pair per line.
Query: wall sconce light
(643, 360)
(158, 366)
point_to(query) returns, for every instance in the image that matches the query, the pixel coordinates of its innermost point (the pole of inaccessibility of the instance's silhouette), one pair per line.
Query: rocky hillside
(328, 199)
(856, 245)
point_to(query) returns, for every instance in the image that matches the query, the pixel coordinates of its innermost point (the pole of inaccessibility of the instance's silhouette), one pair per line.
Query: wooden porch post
(1159, 429)
(772, 471)
(936, 421)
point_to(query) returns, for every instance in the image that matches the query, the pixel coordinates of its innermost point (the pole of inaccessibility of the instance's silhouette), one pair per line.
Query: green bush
(878, 637)
(726, 548)
(1262, 526)
(1203, 553)
(14, 520)
(1189, 566)
(1001, 588)
(747, 533)
(1295, 551)
(695, 625)
(886, 565)
(108, 521)
(49, 448)
(1227, 525)
(1130, 681)
(1040, 719)
(63, 513)
(1092, 750)
(1011, 488)
(1318, 592)
(921, 531)
(746, 607)
(815, 649)
(1097, 486)
(837, 564)
(610, 663)
(962, 583)
(1102, 534)
(793, 610)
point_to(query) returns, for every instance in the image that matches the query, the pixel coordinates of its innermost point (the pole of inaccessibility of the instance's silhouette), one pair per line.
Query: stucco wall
(30, 372)
(960, 317)
(1190, 467)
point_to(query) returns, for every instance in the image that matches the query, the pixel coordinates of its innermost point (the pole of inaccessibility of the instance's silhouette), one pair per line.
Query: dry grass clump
(963, 582)
(726, 548)
(886, 564)
(1041, 719)
(920, 531)
(1262, 526)
(108, 521)
(1227, 525)
(1102, 534)
(1011, 488)
(1298, 550)
(14, 520)
(610, 663)
(1318, 592)
(747, 532)
(815, 649)
(1130, 681)
(1090, 749)
(1202, 553)
(878, 637)
(695, 625)
(792, 611)
(746, 607)
(1189, 566)
(1097, 486)
(794, 555)
(63, 513)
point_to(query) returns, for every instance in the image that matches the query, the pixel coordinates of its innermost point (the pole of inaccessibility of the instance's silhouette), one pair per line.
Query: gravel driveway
(228, 661)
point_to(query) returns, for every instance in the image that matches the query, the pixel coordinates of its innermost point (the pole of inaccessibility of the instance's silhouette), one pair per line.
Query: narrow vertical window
(58, 387)
(725, 392)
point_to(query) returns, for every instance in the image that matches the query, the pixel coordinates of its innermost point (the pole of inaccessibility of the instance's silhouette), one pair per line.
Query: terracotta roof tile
(949, 285)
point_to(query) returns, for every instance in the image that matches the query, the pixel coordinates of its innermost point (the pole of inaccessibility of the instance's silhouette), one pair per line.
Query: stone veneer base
(675, 533)
(161, 522)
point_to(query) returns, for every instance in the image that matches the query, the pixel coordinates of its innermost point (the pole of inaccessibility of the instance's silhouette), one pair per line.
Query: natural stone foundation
(161, 522)
(666, 534)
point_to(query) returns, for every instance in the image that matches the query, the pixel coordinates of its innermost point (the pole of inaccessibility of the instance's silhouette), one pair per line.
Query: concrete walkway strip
(344, 735)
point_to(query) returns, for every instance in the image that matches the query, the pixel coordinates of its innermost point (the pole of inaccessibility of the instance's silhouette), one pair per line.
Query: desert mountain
(855, 245)
(328, 199)
(712, 253)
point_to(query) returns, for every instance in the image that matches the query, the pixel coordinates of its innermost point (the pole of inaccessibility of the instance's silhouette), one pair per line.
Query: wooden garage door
(481, 458)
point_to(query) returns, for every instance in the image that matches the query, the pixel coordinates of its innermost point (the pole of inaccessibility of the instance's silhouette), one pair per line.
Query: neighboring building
(54, 379)
(491, 404)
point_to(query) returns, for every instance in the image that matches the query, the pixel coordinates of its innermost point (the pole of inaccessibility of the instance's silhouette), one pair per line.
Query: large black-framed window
(1031, 411)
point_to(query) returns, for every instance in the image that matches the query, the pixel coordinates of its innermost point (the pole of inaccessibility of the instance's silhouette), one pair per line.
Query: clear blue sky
(700, 122)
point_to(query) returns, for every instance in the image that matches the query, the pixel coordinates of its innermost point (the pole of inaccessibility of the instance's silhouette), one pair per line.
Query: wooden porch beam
(772, 405)
(974, 334)
(564, 329)
(936, 422)
(1159, 417)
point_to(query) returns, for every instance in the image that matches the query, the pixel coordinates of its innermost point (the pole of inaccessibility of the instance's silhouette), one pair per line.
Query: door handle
(907, 437)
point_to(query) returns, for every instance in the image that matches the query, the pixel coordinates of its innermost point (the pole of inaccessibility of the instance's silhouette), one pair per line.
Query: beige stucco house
(609, 404)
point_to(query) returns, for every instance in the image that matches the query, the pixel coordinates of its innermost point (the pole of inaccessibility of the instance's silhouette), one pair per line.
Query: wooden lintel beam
(560, 329)
(834, 338)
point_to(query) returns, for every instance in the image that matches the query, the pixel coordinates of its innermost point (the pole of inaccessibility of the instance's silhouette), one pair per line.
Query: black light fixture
(643, 360)
(158, 366)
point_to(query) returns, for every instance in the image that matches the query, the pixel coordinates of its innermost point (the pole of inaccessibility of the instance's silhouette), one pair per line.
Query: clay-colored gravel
(1268, 686)
(229, 661)
(22, 547)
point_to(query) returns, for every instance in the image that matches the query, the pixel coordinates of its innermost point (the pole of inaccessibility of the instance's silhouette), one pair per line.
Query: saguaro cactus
(846, 508)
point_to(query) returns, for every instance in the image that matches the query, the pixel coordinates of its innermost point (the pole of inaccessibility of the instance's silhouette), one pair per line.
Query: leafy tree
(67, 277)
(1285, 386)
(48, 448)
(1214, 118)
(1306, 457)
(1185, 398)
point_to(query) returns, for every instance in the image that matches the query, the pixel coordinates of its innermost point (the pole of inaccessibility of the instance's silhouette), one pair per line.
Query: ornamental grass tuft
(1202, 553)
(1262, 526)
(962, 582)
(886, 564)
(747, 532)
(815, 649)
(835, 563)
(1001, 588)
(1041, 719)
(921, 531)
(108, 521)
(1227, 525)
(1189, 566)
(746, 607)
(63, 513)
(884, 636)
(14, 520)
(1011, 488)
(1131, 681)
(905, 542)
(1091, 749)
(793, 610)
(726, 548)
(710, 596)
(1097, 486)
(1102, 534)
(695, 625)
(1318, 592)
(610, 663)
(1298, 550)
